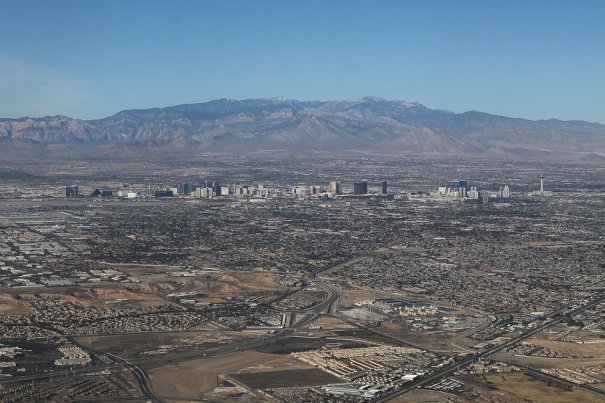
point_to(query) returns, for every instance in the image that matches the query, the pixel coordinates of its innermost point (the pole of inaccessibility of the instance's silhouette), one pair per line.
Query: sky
(90, 59)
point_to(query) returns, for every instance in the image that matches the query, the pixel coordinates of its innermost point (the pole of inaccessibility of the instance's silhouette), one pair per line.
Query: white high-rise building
(473, 194)
(505, 192)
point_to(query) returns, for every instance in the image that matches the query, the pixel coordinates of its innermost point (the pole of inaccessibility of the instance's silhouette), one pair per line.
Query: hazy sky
(90, 59)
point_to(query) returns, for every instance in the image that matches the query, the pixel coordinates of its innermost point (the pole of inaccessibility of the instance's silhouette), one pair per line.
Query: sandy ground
(543, 362)
(331, 323)
(424, 396)
(10, 306)
(278, 364)
(95, 295)
(224, 279)
(191, 379)
(230, 394)
(593, 350)
(137, 345)
(526, 388)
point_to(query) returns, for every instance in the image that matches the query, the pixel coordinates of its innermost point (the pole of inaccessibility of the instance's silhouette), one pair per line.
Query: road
(558, 380)
(470, 332)
(140, 376)
(470, 359)
(331, 297)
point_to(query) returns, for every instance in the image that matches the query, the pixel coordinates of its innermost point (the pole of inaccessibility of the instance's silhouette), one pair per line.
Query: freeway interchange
(327, 306)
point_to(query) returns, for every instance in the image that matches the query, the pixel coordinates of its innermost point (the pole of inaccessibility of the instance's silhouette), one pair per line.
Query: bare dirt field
(288, 378)
(139, 345)
(524, 387)
(544, 362)
(281, 363)
(425, 396)
(329, 322)
(98, 294)
(10, 306)
(194, 378)
(593, 350)
(229, 392)
(223, 281)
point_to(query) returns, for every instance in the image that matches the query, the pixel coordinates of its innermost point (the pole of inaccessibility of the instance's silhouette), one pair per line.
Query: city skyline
(302, 202)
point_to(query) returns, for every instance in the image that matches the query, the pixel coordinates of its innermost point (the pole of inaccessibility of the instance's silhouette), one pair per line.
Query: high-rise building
(384, 188)
(216, 188)
(334, 188)
(203, 193)
(185, 188)
(462, 184)
(505, 192)
(299, 191)
(360, 188)
(473, 194)
(542, 185)
(71, 192)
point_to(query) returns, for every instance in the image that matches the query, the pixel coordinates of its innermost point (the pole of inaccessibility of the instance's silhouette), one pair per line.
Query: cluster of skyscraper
(209, 189)
(335, 188)
(472, 193)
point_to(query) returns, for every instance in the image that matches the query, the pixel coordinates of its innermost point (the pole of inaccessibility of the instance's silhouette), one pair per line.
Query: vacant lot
(139, 345)
(424, 396)
(295, 377)
(194, 378)
(526, 388)
(596, 350)
(10, 306)
(544, 362)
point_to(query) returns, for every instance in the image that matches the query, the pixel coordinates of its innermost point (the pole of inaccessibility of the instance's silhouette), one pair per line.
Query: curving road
(470, 359)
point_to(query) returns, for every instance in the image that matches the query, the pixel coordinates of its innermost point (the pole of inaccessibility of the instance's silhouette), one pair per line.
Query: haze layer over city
(321, 202)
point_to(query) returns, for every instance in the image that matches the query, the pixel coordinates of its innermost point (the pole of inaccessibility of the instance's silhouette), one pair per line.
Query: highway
(468, 333)
(133, 365)
(557, 380)
(326, 306)
(423, 381)
(140, 376)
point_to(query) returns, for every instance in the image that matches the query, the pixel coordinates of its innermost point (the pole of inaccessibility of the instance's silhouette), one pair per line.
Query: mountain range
(368, 125)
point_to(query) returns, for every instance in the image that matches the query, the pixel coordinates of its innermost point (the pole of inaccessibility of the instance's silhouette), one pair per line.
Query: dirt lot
(194, 378)
(151, 344)
(99, 295)
(295, 377)
(10, 306)
(595, 350)
(542, 362)
(281, 363)
(157, 278)
(425, 396)
(329, 322)
(524, 387)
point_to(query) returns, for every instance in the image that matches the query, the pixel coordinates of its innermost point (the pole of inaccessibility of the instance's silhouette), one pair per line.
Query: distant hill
(370, 124)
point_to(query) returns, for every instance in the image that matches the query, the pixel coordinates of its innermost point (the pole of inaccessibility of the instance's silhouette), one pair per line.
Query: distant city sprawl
(301, 279)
